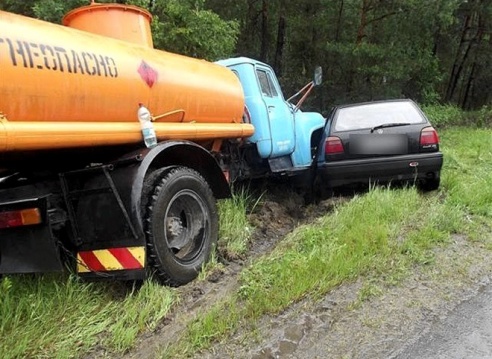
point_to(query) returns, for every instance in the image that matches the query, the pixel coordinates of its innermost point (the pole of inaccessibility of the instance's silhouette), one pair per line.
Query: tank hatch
(124, 22)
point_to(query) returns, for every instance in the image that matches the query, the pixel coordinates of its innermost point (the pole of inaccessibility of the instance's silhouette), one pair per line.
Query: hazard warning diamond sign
(148, 74)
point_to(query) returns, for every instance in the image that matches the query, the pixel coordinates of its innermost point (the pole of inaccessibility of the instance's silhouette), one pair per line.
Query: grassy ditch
(55, 316)
(383, 233)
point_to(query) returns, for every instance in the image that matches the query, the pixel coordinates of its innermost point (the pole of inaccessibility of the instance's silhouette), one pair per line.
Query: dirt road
(465, 333)
(386, 325)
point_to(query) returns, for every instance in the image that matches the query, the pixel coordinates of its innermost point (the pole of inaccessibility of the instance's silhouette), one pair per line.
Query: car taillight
(333, 146)
(429, 137)
(18, 218)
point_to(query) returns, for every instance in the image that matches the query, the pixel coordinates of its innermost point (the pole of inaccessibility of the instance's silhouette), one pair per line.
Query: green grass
(56, 316)
(235, 229)
(469, 163)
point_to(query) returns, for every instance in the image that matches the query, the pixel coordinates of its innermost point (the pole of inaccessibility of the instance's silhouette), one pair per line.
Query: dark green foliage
(185, 27)
(430, 51)
(435, 52)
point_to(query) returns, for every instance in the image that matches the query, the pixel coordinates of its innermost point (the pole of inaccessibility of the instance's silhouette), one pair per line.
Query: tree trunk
(278, 62)
(361, 31)
(458, 61)
(264, 31)
(339, 21)
(474, 22)
(466, 98)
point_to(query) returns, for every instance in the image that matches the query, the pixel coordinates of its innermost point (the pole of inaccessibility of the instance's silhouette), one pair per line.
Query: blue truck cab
(284, 135)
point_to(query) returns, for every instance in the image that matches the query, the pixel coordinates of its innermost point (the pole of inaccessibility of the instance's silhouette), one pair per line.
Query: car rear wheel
(429, 184)
(181, 225)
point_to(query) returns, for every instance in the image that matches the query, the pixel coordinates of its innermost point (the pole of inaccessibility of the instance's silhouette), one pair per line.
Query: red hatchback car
(380, 142)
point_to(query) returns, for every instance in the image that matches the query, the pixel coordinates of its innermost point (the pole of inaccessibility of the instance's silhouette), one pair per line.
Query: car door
(280, 115)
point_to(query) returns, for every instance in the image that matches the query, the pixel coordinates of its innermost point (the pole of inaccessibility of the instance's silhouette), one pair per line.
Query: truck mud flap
(28, 248)
(122, 263)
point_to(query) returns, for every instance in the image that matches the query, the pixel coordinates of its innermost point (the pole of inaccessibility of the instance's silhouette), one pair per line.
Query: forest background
(432, 51)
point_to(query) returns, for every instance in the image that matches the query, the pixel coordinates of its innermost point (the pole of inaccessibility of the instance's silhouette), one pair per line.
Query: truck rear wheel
(182, 225)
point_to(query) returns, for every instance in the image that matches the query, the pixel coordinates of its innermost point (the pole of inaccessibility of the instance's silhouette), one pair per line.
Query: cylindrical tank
(56, 79)
(123, 22)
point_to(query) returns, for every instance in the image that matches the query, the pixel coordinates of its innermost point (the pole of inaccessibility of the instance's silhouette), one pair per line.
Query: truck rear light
(333, 146)
(18, 218)
(428, 137)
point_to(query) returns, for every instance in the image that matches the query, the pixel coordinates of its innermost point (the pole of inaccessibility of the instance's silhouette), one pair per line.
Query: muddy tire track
(279, 211)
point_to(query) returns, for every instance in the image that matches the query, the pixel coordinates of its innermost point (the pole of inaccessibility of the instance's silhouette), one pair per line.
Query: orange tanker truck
(78, 185)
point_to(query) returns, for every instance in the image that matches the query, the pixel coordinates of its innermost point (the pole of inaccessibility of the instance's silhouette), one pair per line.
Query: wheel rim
(186, 225)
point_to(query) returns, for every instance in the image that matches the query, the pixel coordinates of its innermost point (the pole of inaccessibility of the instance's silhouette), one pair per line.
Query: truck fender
(307, 124)
(177, 153)
(99, 217)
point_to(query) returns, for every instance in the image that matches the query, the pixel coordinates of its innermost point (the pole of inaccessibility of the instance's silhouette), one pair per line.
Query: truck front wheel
(181, 225)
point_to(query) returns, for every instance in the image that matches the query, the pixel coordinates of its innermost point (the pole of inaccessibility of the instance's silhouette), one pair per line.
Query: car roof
(374, 103)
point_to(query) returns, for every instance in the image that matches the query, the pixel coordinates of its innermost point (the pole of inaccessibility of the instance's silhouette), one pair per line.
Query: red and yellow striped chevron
(104, 260)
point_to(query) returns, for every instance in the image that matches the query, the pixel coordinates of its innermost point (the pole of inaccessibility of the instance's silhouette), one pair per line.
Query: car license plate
(378, 144)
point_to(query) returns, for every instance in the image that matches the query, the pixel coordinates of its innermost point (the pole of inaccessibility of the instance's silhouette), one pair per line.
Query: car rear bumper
(381, 169)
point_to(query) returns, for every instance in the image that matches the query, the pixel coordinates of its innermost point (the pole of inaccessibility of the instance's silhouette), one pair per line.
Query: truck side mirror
(318, 76)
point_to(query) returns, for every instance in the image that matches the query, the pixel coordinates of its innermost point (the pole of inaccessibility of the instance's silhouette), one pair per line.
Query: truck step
(280, 164)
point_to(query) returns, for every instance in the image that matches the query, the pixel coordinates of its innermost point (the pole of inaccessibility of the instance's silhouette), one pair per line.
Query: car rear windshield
(376, 114)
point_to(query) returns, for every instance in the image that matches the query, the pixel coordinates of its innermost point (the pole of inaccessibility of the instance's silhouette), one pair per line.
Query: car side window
(266, 83)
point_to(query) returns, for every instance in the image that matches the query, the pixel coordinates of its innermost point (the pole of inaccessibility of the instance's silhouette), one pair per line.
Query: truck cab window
(266, 83)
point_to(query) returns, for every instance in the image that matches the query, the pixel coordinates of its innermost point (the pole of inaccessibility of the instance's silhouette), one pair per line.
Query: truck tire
(181, 226)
